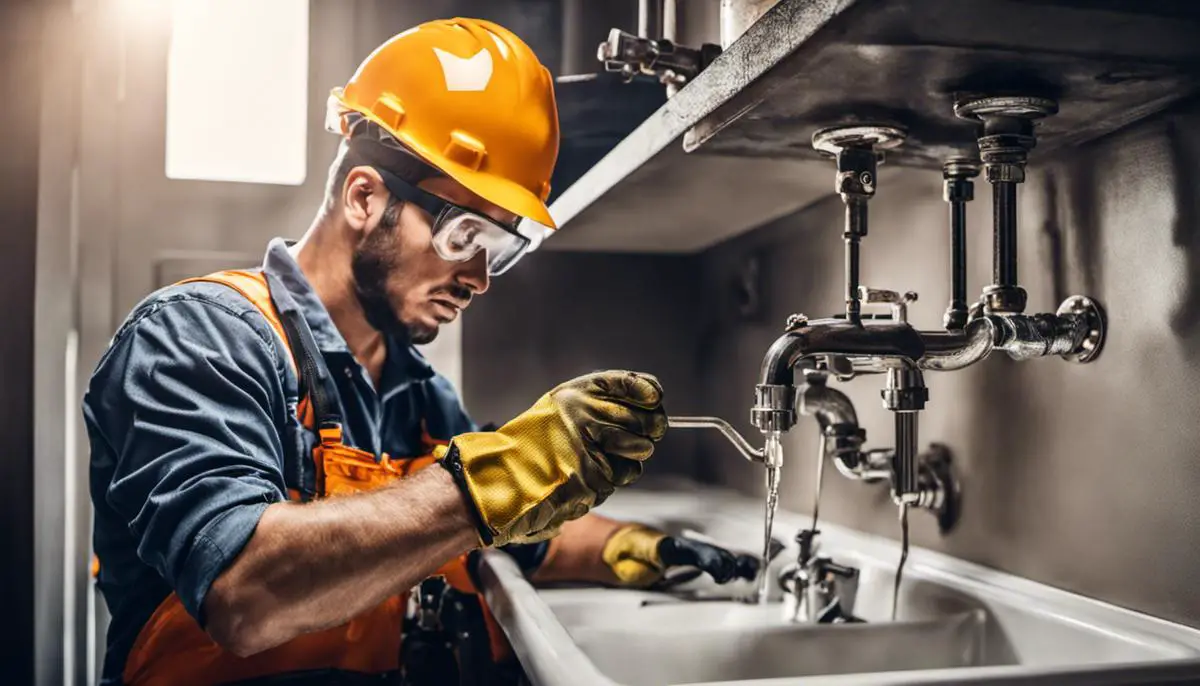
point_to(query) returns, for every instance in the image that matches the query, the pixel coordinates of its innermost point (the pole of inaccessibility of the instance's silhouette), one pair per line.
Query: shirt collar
(404, 363)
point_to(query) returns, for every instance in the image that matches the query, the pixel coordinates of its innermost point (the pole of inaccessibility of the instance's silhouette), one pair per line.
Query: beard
(375, 259)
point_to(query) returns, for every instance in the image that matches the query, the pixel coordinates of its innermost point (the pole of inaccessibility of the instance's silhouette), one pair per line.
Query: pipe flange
(1097, 322)
(834, 139)
(1017, 106)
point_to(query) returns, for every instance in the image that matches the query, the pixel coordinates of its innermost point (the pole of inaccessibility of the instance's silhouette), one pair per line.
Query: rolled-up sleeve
(189, 400)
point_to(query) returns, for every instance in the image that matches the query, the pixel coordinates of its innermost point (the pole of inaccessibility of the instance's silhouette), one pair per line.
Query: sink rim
(987, 584)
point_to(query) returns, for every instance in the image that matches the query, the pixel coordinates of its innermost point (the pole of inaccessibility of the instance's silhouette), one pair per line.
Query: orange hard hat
(468, 97)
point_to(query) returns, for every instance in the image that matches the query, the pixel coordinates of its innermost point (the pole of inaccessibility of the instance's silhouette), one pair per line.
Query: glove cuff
(452, 462)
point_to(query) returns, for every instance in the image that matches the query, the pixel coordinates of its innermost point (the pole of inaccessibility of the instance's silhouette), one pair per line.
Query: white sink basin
(652, 656)
(956, 622)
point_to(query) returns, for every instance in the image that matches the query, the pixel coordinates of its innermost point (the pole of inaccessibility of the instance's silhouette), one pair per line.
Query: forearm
(576, 554)
(312, 566)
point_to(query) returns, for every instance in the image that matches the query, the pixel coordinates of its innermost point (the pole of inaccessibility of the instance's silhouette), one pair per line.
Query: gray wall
(1082, 477)
(558, 315)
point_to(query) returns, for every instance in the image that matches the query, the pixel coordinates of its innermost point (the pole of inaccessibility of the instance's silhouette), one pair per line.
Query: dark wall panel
(558, 315)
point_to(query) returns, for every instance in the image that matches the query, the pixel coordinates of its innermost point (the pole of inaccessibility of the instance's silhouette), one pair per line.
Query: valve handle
(897, 301)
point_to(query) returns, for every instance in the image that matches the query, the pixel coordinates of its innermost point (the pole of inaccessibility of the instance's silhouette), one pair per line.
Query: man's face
(406, 289)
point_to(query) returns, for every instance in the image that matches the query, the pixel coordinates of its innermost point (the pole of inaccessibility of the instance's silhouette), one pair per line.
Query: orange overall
(173, 649)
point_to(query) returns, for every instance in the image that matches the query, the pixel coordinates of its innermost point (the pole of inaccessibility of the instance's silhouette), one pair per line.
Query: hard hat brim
(505, 194)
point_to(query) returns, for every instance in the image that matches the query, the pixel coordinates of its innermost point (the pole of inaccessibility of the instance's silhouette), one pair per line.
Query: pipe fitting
(1004, 299)
(856, 174)
(774, 408)
(959, 190)
(905, 391)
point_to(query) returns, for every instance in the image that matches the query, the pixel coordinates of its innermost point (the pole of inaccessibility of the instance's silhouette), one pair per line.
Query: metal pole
(904, 460)
(958, 190)
(856, 227)
(1004, 215)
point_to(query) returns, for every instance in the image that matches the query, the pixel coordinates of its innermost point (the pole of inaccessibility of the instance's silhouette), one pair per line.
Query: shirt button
(349, 373)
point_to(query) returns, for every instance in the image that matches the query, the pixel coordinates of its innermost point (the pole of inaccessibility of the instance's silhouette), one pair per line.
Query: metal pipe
(1021, 336)
(841, 437)
(1004, 247)
(1005, 140)
(863, 473)
(904, 460)
(743, 446)
(856, 228)
(1076, 332)
(958, 256)
(836, 336)
(958, 190)
(958, 349)
(830, 406)
(669, 21)
(643, 27)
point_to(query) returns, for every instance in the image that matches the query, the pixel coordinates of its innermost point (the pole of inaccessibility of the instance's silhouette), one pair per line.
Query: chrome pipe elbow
(951, 350)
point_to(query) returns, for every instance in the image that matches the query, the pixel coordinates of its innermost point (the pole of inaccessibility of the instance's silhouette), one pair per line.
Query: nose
(474, 274)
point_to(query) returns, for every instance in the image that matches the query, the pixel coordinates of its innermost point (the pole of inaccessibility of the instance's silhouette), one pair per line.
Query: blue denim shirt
(191, 418)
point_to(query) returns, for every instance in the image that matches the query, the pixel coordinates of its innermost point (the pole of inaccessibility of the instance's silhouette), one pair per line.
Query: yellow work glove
(560, 458)
(639, 556)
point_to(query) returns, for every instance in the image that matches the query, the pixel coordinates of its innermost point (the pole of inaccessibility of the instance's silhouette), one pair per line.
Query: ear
(363, 197)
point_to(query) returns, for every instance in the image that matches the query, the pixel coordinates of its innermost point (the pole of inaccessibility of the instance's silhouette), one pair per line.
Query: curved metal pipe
(836, 336)
(743, 446)
(828, 405)
(841, 436)
(950, 350)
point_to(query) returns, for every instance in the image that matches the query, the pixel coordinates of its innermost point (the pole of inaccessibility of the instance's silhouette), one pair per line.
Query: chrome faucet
(816, 589)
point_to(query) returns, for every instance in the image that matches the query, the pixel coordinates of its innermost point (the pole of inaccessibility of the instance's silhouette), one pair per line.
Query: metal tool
(743, 446)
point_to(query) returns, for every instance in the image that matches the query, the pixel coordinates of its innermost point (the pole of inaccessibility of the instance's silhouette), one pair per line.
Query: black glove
(722, 565)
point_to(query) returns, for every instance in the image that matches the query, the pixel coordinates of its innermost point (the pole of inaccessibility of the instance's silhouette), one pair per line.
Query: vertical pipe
(853, 305)
(669, 21)
(1004, 216)
(904, 460)
(958, 190)
(575, 58)
(958, 255)
(856, 227)
(643, 27)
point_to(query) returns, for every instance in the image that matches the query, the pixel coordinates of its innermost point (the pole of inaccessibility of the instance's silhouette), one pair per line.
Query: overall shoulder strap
(252, 284)
(305, 358)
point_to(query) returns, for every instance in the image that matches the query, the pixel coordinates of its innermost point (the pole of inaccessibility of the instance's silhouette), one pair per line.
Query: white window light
(237, 91)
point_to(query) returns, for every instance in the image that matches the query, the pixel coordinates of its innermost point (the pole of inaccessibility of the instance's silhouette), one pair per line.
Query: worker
(275, 467)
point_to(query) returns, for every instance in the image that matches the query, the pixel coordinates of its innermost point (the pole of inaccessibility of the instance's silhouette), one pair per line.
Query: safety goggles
(460, 233)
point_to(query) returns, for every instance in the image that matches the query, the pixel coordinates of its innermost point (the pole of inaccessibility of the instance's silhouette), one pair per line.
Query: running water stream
(773, 454)
(903, 557)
